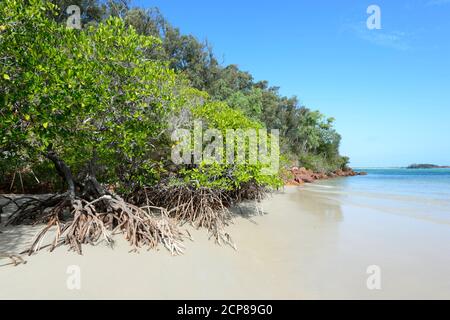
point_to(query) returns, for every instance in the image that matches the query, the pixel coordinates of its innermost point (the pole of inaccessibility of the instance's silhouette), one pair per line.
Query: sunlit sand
(308, 244)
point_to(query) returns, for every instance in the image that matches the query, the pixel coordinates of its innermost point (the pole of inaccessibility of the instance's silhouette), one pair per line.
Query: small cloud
(395, 39)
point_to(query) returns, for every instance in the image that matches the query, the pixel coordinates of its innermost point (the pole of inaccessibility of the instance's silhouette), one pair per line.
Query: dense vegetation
(308, 137)
(99, 106)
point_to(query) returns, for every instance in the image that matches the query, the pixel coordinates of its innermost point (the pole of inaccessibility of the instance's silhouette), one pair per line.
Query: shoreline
(307, 245)
(298, 176)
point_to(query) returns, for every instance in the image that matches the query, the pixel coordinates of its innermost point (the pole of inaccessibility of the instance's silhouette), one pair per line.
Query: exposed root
(92, 221)
(202, 207)
(15, 259)
(249, 191)
(29, 208)
(146, 219)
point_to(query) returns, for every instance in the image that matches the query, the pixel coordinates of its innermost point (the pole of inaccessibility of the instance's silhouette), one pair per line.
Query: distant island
(425, 166)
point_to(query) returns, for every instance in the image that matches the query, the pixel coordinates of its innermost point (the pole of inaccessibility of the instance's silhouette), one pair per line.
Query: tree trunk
(64, 171)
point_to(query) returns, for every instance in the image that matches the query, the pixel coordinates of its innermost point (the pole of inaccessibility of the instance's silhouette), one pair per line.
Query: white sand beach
(310, 244)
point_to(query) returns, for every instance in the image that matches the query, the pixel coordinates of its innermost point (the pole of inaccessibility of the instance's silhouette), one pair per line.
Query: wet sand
(309, 244)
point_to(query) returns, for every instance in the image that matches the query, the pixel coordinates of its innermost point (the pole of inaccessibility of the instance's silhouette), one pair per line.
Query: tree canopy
(100, 105)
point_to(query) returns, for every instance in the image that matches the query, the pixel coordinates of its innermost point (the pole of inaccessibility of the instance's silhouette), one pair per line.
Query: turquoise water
(419, 193)
(428, 183)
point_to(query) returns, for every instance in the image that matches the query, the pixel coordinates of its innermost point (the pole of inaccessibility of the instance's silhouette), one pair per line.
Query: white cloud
(394, 39)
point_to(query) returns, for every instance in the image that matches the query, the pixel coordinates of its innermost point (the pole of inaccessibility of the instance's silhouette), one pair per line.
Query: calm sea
(422, 193)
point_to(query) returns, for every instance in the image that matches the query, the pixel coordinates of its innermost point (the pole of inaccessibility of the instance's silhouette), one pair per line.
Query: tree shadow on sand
(14, 239)
(248, 210)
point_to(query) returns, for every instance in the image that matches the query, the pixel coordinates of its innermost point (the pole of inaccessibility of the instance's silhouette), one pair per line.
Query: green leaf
(6, 77)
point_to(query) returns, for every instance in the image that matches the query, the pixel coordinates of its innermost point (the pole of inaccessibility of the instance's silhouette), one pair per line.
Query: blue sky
(388, 89)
